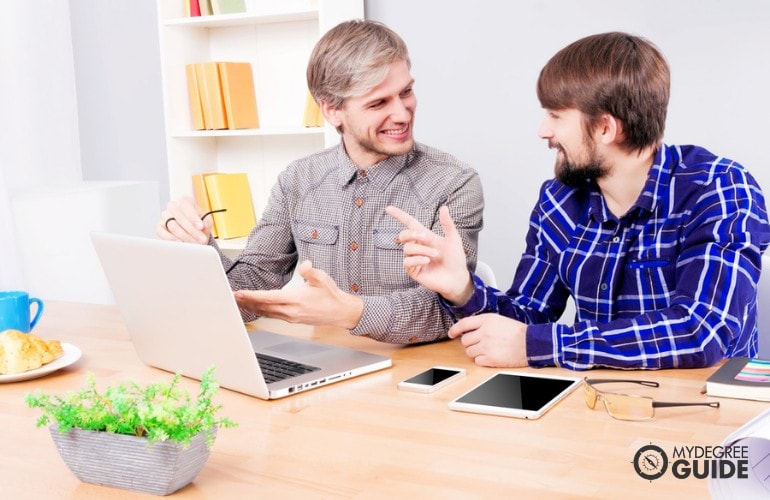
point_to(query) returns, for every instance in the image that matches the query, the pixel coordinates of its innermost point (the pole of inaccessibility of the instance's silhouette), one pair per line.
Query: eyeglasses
(202, 216)
(626, 406)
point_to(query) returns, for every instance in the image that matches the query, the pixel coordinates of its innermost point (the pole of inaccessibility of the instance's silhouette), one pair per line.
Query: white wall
(39, 141)
(476, 64)
(48, 203)
(120, 101)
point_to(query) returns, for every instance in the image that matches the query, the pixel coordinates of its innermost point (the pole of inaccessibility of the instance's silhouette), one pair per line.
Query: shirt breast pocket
(389, 260)
(653, 279)
(317, 242)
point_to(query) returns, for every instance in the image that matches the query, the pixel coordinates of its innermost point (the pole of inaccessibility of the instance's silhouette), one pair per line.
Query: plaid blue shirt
(671, 284)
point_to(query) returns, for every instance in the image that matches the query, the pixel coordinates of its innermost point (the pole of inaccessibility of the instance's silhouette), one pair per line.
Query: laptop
(182, 317)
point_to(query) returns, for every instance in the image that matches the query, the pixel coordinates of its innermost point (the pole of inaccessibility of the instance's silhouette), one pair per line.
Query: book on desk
(741, 378)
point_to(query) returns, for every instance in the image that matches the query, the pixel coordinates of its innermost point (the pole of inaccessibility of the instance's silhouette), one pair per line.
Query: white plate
(71, 354)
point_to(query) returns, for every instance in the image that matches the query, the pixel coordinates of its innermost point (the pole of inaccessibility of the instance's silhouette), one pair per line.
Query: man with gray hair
(327, 211)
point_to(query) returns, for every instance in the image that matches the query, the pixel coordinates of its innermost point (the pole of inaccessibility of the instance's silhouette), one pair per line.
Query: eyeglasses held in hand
(626, 406)
(202, 216)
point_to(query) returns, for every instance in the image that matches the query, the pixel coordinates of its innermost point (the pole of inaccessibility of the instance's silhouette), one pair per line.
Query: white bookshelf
(276, 37)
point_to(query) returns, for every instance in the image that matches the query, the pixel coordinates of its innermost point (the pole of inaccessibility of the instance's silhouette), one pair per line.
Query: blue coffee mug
(15, 308)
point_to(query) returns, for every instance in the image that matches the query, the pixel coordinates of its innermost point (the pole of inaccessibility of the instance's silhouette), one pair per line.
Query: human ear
(609, 129)
(332, 114)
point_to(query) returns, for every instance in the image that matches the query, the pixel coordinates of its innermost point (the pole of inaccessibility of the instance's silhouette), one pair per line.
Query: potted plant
(154, 439)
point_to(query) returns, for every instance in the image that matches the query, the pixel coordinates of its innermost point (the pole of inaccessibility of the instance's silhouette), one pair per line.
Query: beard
(385, 150)
(574, 175)
(577, 173)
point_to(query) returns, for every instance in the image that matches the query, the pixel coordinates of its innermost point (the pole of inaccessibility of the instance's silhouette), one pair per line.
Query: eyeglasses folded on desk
(627, 406)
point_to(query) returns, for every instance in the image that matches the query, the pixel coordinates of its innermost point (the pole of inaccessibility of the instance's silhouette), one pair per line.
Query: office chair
(485, 272)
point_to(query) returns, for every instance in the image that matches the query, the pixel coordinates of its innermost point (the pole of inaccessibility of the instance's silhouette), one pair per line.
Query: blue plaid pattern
(670, 284)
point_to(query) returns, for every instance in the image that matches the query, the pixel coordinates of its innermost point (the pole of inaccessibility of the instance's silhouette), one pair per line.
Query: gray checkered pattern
(325, 209)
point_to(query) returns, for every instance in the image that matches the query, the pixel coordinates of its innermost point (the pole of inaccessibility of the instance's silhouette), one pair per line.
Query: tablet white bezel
(515, 412)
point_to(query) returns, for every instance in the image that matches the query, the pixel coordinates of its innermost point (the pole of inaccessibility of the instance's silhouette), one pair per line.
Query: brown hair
(351, 59)
(614, 73)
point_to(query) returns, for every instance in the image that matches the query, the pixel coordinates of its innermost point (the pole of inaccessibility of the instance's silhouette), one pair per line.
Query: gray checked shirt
(325, 209)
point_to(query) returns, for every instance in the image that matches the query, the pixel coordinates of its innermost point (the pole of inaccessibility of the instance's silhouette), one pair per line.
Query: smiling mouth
(396, 132)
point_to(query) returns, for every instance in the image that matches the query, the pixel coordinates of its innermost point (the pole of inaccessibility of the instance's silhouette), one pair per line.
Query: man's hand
(436, 263)
(318, 302)
(493, 340)
(181, 221)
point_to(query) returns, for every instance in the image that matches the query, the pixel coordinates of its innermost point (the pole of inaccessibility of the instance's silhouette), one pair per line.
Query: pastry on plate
(21, 352)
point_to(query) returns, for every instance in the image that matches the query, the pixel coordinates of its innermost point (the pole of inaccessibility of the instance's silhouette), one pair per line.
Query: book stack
(194, 8)
(741, 378)
(222, 95)
(229, 191)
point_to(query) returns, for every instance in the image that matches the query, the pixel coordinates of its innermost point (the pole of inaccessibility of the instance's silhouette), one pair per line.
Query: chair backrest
(763, 308)
(485, 272)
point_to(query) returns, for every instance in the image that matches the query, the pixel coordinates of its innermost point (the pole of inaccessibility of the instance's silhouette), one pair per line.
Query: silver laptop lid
(179, 309)
(182, 317)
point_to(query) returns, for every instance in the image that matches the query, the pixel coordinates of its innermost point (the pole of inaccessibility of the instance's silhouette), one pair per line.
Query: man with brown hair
(658, 245)
(327, 211)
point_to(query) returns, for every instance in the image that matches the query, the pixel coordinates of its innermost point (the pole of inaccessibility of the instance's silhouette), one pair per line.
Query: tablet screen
(518, 395)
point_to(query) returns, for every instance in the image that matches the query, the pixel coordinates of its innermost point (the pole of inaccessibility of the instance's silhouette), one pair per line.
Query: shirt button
(354, 287)
(603, 286)
(354, 246)
(412, 340)
(616, 239)
(363, 173)
(314, 234)
(359, 202)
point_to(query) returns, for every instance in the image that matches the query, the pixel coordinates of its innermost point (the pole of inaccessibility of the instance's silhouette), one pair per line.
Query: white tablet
(512, 394)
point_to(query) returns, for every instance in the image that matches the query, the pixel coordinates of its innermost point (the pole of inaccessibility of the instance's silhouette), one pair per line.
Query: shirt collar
(658, 180)
(379, 174)
(654, 189)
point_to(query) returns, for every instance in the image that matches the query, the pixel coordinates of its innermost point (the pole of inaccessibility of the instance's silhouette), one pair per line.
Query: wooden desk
(363, 438)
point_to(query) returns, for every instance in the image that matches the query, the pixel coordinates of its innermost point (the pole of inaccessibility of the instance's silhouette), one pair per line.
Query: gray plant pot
(129, 462)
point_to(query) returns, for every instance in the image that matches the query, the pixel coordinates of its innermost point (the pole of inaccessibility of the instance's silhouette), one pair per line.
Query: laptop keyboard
(275, 369)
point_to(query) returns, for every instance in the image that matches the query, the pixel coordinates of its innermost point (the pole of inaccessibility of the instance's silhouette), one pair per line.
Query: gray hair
(351, 59)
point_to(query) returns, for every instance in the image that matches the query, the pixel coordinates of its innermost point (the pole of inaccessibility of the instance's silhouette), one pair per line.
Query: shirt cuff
(476, 303)
(542, 345)
(376, 319)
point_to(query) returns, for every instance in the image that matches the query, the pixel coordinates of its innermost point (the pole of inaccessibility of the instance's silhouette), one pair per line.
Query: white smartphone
(431, 379)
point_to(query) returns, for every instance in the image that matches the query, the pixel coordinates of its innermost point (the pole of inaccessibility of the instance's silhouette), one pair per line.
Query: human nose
(545, 131)
(401, 110)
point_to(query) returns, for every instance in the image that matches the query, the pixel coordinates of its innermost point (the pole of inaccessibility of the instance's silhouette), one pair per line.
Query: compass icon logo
(650, 462)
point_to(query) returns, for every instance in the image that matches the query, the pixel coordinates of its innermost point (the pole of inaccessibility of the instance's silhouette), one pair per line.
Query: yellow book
(200, 79)
(196, 110)
(231, 192)
(240, 102)
(210, 90)
(313, 116)
(202, 198)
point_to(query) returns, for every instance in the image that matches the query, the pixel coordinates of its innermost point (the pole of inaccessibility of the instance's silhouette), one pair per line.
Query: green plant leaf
(158, 411)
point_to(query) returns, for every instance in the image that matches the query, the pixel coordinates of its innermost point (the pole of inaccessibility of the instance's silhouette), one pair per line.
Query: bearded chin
(574, 175)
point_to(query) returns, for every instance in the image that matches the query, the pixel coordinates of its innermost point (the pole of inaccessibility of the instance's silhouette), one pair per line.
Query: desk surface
(365, 438)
